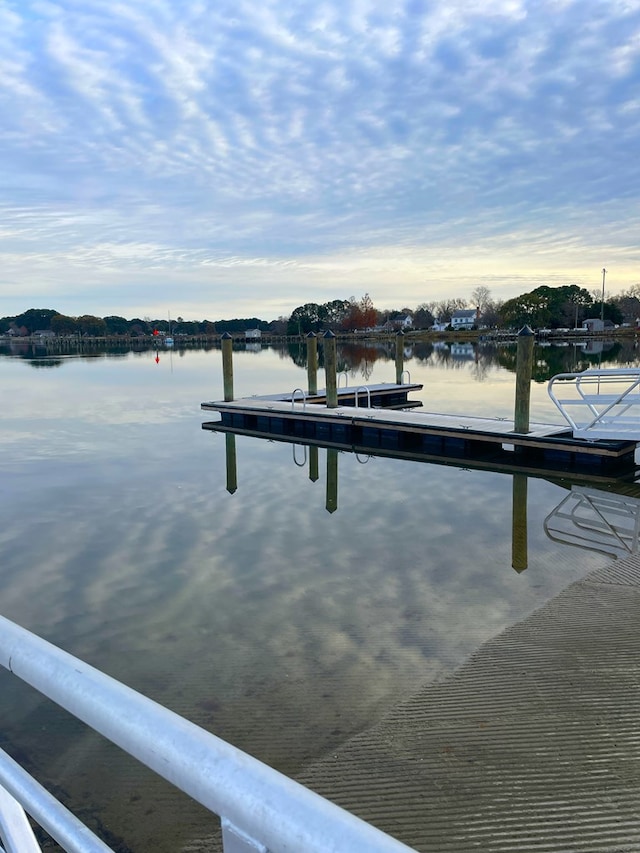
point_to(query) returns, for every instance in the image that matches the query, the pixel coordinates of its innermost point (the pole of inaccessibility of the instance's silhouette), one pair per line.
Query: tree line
(565, 306)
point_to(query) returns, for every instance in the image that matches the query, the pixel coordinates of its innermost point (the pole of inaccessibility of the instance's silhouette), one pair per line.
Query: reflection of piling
(399, 356)
(524, 369)
(519, 551)
(313, 463)
(332, 479)
(232, 468)
(330, 369)
(312, 363)
(227, 366)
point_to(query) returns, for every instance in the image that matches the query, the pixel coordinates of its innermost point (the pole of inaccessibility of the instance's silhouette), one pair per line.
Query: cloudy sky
(222, 158)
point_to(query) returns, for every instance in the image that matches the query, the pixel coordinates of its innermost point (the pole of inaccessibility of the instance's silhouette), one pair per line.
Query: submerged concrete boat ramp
(532, 745)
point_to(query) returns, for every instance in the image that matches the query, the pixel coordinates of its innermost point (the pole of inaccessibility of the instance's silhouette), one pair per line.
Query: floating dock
(384, 424)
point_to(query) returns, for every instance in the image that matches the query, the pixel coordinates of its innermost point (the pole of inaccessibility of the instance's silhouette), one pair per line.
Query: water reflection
(360, 359)
(597, 520)
(270, 618)
(587, 517)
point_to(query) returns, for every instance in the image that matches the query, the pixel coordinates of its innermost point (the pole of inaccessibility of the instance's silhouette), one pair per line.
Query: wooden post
(232, 469)
(519, 549)
(524, 369)
(330, 369)
(312, 363)
(332, 479)
(399, 356)
(313, 463)
(227, 366)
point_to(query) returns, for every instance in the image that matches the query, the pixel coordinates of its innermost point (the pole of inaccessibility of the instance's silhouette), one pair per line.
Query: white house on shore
(464, 318)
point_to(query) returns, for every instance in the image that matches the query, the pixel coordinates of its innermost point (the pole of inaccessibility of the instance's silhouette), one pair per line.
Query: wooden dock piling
(399, 356)
(519, 532)
(227, 366)
(524, 368)
(332, 480)
(312, 363)
(330, 369)
(232, 468)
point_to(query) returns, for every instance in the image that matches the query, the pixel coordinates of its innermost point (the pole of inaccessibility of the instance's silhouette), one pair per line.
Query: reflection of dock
(596, 520)
(364, 426)
(500, 461)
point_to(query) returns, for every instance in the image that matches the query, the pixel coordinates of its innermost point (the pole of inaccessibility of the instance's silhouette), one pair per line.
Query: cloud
(169, 135)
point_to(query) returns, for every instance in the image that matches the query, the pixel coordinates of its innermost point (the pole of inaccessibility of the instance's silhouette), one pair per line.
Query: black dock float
(495, 460)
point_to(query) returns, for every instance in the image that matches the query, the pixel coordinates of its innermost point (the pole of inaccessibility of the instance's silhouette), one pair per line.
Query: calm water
(258, 615)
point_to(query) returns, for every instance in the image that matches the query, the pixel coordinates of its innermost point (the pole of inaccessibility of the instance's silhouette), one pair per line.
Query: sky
(238, 159)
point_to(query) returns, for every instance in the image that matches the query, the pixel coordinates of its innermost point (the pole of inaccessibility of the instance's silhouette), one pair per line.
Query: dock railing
(599, 403)
(260, 808)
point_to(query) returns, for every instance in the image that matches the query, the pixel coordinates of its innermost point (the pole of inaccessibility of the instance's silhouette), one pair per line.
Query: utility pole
(604, 272)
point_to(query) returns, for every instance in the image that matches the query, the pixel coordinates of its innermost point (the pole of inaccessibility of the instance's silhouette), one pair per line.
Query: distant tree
(443, 310)
(240, 324)
(353, 318)
(490, 317)
(573, 310)
(481, 298)
(628, 303)
(138, 327)
(63, 325)
(529, 309)
(92, 326)
(611, 311)
(35, 318)
(360, 315)
(304, 319)
(116, 325)
(312, 317)
(552, 307)
(335, 312)
(422, 317)
(279, 326)
(367, 312)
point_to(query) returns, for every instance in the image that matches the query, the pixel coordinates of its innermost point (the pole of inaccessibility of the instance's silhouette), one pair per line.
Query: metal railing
(367, 392)
(293, 399)
(260, 808)
(599, 403)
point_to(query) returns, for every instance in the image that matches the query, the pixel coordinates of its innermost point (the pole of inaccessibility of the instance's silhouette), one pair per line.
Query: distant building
(593, 325)
(464, 319)
(252, 334)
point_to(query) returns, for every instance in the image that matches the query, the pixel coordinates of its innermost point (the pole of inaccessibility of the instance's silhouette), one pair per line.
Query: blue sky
(234, 158)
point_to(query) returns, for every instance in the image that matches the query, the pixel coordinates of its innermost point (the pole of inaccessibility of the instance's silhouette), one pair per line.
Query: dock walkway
(532, 745)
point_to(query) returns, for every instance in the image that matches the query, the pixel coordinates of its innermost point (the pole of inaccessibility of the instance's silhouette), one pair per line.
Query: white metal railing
(599, 403)
(293, 398)
(367, 392)
(260, 808)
